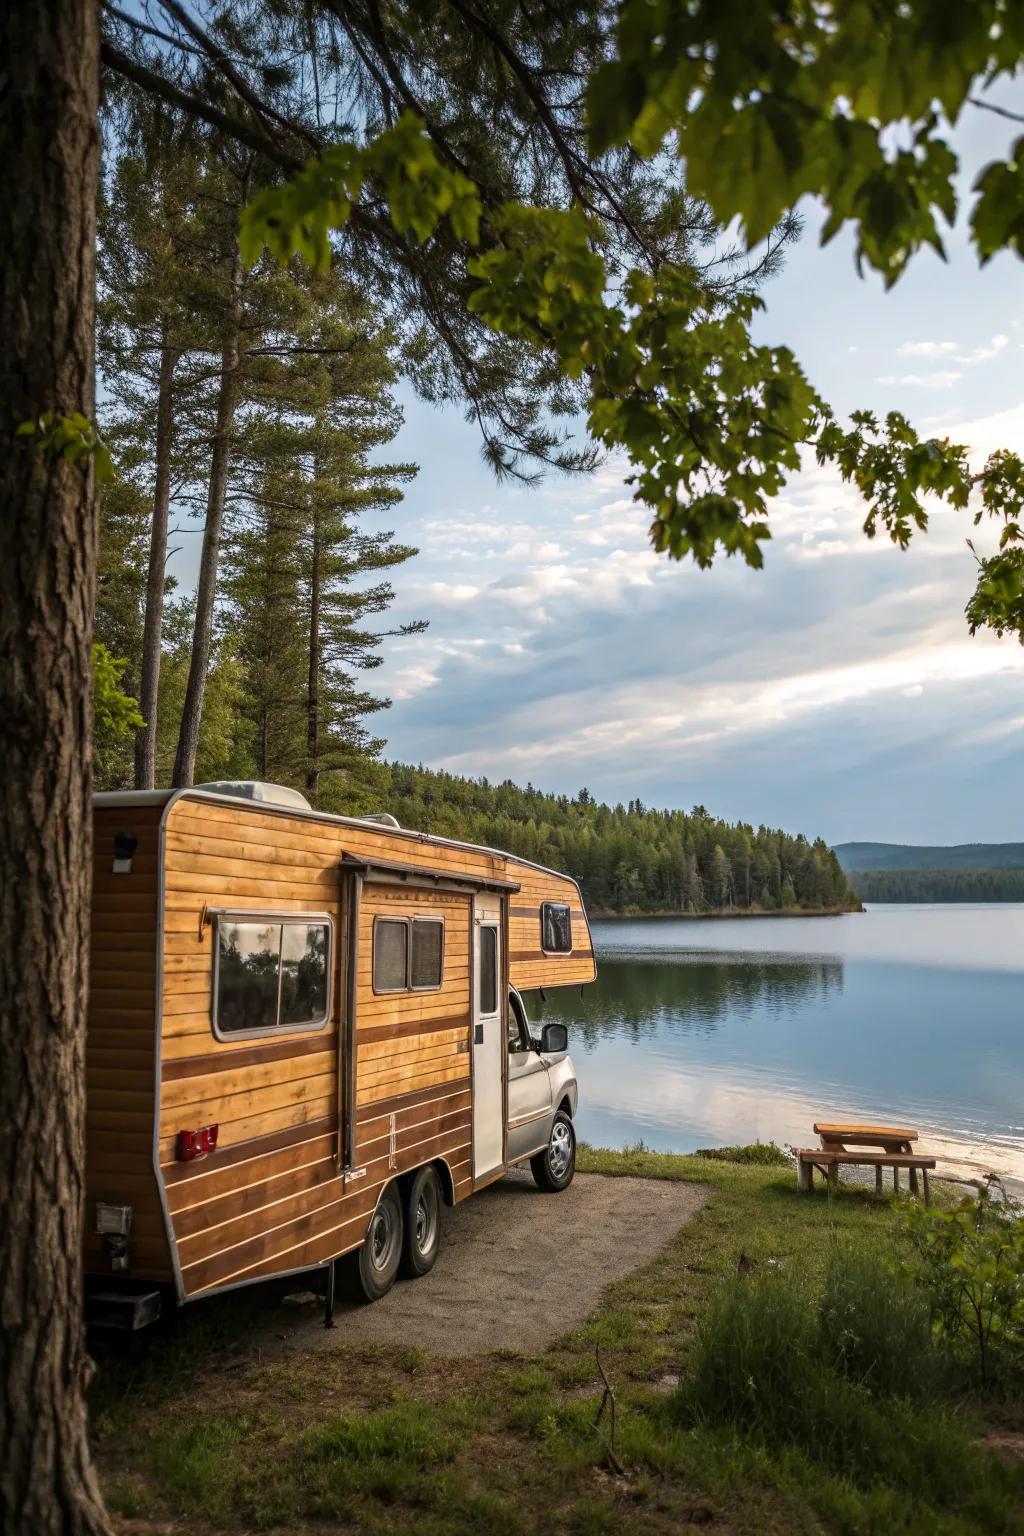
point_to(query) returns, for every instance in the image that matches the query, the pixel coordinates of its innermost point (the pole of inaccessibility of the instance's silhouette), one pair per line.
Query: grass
(769, 1378)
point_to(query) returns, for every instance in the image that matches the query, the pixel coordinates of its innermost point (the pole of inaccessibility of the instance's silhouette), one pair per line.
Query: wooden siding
(270, 1199)
(529, 966)
(120, 1047)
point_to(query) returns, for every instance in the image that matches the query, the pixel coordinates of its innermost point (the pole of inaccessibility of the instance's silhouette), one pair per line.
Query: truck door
(488, 1038)
(529, 1087)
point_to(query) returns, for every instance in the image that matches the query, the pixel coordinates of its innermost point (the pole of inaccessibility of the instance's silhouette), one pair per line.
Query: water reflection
(684, 1045)
(690, 993)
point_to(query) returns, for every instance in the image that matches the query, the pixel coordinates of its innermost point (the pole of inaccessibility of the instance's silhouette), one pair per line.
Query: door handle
(478, 1034)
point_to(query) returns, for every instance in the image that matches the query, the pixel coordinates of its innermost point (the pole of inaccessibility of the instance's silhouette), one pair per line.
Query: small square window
(555, 928)
(427, 953)
(390, 954)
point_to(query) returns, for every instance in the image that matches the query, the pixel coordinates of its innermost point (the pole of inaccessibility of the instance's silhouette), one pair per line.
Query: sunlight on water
(701, 1033)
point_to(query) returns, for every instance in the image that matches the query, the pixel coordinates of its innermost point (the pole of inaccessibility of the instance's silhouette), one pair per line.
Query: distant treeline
(872, 857)
(939, 884)
(628, 858)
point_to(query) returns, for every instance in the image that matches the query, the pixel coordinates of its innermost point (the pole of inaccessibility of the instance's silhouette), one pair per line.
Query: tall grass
(850, 1380)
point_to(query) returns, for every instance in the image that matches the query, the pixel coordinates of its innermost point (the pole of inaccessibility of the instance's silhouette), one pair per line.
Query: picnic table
(870, 1146)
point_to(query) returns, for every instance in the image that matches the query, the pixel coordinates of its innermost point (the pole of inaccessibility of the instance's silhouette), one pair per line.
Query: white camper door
(488, 1038)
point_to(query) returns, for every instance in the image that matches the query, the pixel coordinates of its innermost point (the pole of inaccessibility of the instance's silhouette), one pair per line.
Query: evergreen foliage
(628, 858)
(938, 884)
(260, 401)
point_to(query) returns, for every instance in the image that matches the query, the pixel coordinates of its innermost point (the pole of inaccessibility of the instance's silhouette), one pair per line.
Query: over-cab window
(408, 954)
(271, 973)
(555, 928)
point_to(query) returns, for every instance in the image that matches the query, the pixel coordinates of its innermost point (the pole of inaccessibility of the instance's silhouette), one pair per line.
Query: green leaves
(73, 438)
(998, 219)
(970, 1263)
(893, 468)
(769, 102)
(116, 712)
(401, 163)
(709, 421)
(998, 599)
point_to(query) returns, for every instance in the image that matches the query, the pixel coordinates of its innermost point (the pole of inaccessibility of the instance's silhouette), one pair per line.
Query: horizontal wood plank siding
(271, 1198)
(120, 1046)
(529, 966)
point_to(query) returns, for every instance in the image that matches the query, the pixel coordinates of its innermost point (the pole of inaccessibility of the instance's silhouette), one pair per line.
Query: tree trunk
(313, 692)
(48, 532)
(152, 635)
(206, 593)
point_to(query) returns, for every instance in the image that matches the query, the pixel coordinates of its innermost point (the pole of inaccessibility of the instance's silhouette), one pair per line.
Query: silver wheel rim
(383, 1234)
(426, 1219)
(560, 1150)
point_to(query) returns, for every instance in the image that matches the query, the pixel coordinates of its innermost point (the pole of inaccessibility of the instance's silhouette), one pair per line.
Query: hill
(629, 858)
(959, 856)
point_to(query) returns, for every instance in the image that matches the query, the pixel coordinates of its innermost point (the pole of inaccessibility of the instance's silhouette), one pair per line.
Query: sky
(837, 692)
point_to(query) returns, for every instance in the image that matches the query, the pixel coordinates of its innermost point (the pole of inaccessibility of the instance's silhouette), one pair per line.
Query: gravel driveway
(517, 1268)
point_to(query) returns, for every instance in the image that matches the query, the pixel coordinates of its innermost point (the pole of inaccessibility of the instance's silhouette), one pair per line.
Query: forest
(629, 858)
(938, 884)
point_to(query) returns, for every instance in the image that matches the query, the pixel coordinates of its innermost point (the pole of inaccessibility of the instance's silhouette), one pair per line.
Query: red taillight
(192, 1144)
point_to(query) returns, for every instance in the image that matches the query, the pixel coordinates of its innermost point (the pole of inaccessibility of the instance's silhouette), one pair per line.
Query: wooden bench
(864, 1146)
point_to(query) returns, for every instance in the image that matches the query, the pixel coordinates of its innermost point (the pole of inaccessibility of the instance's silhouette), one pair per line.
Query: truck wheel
(554, 1167)
(422, 1224)
(369, 1272)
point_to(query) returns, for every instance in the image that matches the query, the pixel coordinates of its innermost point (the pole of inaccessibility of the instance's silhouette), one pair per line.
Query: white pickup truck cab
(542, 1097)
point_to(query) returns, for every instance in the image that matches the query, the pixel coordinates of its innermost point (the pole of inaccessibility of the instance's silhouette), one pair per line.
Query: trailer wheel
(422, 1223)
(369, 1272)
(553, 1168)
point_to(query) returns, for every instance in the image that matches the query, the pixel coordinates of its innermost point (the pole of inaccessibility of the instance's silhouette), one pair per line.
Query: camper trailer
(306, 1035)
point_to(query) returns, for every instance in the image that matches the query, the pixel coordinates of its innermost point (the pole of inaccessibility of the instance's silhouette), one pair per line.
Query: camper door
(488, 1038)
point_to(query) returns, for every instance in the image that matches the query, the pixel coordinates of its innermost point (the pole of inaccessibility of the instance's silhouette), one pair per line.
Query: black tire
(423, 1206)
(369, 1272)
(553, 1168)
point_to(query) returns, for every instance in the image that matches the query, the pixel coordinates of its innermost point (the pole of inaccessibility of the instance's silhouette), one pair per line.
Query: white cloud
(926, 348)
(984, 354)
(942, 379)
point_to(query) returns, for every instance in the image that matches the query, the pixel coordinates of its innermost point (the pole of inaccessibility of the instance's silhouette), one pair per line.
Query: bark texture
(206, 591)
(313, 693)
(49, 58)
(153, 626)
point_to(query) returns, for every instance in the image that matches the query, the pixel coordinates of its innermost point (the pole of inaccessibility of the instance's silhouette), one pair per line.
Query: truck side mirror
(554, 1039)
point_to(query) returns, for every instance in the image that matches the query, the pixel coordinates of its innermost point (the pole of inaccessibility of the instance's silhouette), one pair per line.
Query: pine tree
(302, 586)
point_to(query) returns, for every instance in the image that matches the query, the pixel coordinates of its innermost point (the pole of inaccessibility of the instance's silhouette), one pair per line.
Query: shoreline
(603, 914)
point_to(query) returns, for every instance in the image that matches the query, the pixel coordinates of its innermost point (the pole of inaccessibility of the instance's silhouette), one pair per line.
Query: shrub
(969, 1264)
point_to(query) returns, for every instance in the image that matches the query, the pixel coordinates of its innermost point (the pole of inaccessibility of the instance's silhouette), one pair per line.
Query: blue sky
(836, 692)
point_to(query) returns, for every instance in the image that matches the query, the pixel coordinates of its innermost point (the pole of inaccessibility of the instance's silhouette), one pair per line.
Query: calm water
(699, 1033)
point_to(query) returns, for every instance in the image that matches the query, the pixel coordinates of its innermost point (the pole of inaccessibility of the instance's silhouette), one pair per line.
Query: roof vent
(256, 789)
(383, 819)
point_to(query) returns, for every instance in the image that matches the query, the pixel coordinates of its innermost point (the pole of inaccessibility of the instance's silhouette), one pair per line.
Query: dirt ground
(517, 1268)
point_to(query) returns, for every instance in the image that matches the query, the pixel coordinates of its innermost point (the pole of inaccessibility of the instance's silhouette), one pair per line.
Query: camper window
(270, 974)
(427, 953)
(408, 954)
(488, 990)
(555, 928)
(390, 954)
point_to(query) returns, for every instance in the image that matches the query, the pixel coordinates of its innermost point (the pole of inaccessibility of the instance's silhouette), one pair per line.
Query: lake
(702, 1032)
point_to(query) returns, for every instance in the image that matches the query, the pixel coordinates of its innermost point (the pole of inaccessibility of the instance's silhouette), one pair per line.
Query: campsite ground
(244, 1416)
